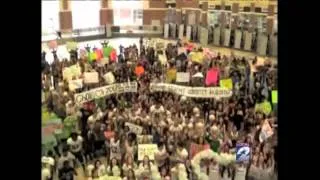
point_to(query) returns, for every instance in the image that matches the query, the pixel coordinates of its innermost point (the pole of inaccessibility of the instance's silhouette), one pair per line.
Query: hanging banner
(105, 91)
(196, 92)
(147, 150)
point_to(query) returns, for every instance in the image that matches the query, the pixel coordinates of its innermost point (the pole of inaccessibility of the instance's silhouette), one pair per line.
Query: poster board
(147, 150)
(183, 77)
(91, 77)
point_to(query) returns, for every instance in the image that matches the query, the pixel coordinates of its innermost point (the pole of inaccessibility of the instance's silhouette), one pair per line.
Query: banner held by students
(195, 92)
(105, 91)
(147, 150)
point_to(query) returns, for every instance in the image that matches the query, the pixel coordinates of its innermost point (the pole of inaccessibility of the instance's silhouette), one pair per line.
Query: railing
(102, 30)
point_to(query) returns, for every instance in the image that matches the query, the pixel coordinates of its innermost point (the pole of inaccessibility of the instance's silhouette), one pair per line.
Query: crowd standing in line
(98, 128)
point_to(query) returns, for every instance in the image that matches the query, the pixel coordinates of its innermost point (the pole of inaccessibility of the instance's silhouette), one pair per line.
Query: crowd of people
(98, 128)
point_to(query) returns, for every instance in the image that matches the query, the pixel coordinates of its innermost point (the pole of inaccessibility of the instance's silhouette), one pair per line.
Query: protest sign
(163, 59)
(134, 128)
(266, 131)
(147, 150)
(242, 152)
(226, 83)
(195, 92)
(195, 148)
(91, 77)
(144, 139)
(197, 57)
(264, 107)
(71, 45)
(75, 84)
(212, 76)
(171, 75)
(183, 77)
(105, 91)
(109, 78)
(274, 96)
(67, 74)
(75, 70)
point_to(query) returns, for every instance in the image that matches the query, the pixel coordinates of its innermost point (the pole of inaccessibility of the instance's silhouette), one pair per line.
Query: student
(130, 176)
(67, 172)
(66, 156)
(75, 143)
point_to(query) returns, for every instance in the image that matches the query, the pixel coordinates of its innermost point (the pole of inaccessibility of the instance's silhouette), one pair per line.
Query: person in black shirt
(67, 172)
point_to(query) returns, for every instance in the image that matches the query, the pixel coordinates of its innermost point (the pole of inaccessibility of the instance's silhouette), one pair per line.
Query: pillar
(65, 16)
(155, 11)
(235, 15)
(204, 14)
(270, 18)
(106, 12)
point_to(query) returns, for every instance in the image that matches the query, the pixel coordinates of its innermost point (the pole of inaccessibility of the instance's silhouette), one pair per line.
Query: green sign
(274, 96)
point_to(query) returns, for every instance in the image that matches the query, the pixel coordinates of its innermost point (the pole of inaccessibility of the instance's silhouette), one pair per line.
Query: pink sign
(212, 76)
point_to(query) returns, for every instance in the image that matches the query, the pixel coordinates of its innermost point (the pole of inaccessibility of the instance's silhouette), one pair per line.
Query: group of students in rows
(172, 122)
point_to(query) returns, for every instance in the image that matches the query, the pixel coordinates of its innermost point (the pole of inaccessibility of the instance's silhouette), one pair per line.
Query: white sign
(183, 77)
(134, 128)
(105, 91)
(266, 131)
(196, 92)
(109, 77)
(75, 84)
(91, 77)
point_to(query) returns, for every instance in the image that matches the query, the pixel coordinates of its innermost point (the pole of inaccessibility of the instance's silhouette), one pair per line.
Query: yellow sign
(264, 107)
(226, 83)
(147, 150)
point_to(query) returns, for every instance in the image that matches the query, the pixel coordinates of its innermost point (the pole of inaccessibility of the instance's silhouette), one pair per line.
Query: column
(154, 12)
(65, 16)
(106, 12)
(204, 14)
(235, 15)
(270, 18)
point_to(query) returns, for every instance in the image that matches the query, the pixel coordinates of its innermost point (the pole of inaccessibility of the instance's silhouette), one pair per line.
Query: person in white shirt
(214, 169)
(48, 165)
(75, 143)
(66, 156)
(240, 173)
(113, 169)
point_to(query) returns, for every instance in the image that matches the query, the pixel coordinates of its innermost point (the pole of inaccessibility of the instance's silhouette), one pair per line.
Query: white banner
(183, 77)
(91, 77)
(105, 91)
(134, 128)
(197, 92)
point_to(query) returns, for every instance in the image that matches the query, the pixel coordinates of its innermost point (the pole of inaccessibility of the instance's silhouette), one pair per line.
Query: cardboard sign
(264, 107)
(266, 131)
(147, 150)
(195, 148)
(134, 128)
(98, 93)
(183, 77)
(274, 96)
(195, 92)
(212, 76)
(226, 83)
(109, 77)
(75, 84)
(91, 77)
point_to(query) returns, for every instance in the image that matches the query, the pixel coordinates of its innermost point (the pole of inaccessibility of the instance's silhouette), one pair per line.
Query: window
(85, 14)
(50, 16)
